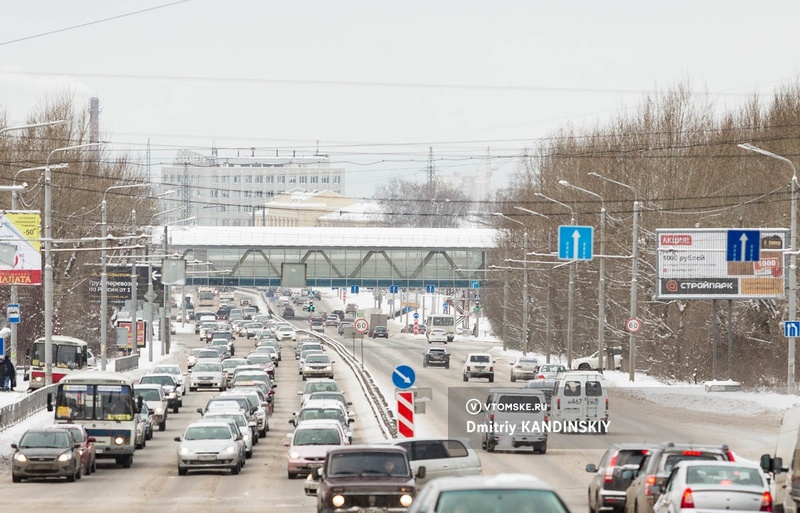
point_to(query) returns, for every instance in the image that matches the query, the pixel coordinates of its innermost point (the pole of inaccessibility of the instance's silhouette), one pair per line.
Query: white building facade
(228, 191)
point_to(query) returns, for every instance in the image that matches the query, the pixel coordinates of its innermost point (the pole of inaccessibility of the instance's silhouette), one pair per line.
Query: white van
(784, 490)
(581, 397)
(513, 418)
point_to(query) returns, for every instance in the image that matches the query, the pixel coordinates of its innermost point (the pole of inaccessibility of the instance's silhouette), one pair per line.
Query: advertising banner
(693, 264)
(140, 332)
(21, 230)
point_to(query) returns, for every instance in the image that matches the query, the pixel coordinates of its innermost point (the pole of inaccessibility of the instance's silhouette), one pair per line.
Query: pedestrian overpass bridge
(332, 257)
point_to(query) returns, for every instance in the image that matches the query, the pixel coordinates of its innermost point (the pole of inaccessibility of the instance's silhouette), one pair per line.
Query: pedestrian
(11, 374)
(3, 382)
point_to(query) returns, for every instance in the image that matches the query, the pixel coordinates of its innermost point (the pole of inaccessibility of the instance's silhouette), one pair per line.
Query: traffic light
(477, 307)
(310, 307)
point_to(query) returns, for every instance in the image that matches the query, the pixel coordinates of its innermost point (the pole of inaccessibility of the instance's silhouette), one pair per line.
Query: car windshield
(208, 354)
(207, 433)
(167, 370)
(231, 363)
(316, 437)
(499, 501)
(260, 358)
(51, 440)
(318, 358)
(552, 368)
(236, 417)
(77, 433)
(328, 386)
(158, 380)
(725, 476)
(366, 463)
(208, 367)
(480, 358)
(148, 394)
(316, 413)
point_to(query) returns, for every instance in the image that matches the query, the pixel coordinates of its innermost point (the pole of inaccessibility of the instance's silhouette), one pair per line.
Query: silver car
(502, 493)
(154, 396)
(207, 445)
(207, 375)
(244, 427)
(714, 485)
(317, 366)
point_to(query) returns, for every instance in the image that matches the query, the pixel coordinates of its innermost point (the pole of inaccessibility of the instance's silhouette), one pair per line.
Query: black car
(339, 314)
(436, 356)
(288, 313)
(380, 332)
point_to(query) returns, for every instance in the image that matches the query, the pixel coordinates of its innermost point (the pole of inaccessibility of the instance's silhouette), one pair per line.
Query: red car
(87, 450)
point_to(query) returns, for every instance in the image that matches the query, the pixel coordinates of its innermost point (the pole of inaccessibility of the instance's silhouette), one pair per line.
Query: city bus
(444, 321)
(70, 355)
(206, 296)
(103, 403)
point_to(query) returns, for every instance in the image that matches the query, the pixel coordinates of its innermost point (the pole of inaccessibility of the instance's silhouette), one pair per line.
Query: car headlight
(231, 449)
(406, 500)
(38, 379)
(294, 455)
(119, 440)
(20, 457)
(338, 501)
(159, 411)
(185, 450)
(65, 456)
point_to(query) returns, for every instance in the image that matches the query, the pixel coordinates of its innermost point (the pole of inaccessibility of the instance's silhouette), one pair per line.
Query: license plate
(206, 457)
(372, 510)
(479, 367)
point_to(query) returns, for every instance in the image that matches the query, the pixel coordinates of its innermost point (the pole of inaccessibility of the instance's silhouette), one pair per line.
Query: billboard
(692, 264)
(141, 332)
(21, 230)
(119, 284)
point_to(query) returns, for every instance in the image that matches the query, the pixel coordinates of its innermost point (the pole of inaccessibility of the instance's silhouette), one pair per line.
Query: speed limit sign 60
(361, 325)
(633, 325)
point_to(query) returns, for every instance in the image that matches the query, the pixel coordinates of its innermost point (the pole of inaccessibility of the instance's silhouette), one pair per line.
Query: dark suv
(380, 332)
(364, 477)
(657, 466)
(607, 489)
(436, 356)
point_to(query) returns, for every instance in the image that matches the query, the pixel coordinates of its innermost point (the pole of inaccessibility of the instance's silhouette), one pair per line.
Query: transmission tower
(431, 169)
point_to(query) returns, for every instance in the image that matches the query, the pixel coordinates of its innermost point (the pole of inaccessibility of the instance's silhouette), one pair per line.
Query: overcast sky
(376, 84)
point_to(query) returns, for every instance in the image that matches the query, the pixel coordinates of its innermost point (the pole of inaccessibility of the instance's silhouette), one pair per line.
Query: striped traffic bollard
(405, 414)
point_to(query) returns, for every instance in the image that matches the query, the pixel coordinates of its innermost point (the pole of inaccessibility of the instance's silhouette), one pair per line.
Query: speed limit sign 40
(633, 325)
(361, 325)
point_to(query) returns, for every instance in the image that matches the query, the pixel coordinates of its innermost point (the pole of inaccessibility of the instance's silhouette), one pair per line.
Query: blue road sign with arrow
(403, 376)
(430, 289)
(393, 289)
(575, 242)
(743, 246)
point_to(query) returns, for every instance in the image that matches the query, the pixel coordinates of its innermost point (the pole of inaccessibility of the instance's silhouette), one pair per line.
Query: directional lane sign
(575, 242)
(791, 329)
(743, 246)
(430, 289)
(403, 376)
(392, 289)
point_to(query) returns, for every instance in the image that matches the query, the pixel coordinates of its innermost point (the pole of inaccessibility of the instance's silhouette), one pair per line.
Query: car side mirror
(13, 446)
(421, 472)
(49, 401)
(200, 411)
(591, 468)
(139, 402)
(177, 439)
(299, 392)
(91, 440)
(76, 445)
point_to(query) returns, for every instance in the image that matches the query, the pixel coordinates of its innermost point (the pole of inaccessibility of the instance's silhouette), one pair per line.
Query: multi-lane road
(152, 485)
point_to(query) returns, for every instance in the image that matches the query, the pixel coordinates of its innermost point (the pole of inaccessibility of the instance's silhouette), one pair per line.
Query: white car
(524, 367)
(207, 375)
(479, 365)
(176, 372)
(437, 335)
(592, 362)
(245, 427)
(286, 333)
(207, 445)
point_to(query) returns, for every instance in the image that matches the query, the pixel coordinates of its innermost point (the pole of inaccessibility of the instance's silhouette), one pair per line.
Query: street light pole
(601, 290)
(790, 372)
(524, 345)
(634, 273)
(48, 260)
(571, 288)
(104, 273)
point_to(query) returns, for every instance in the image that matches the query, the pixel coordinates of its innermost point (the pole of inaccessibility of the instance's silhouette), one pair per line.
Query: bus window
(74, 402)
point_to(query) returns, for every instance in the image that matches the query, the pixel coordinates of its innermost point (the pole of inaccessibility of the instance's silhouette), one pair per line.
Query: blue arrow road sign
(743, 246)
(403, 376)
(416, 315)
(354, 289)
(2, 345)
(392, 289)
(575, 242)
(791, 329)
(430, 289)
(475, 284)
(445, 308)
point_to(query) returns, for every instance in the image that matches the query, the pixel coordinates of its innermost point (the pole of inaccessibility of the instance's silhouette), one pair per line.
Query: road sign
(2, 346)
(393, 289)
(791, 329)
(430, 289)
(12, 313)
(475, 284)
(416, 315)
(633, 325)
(445, 308)
(575, 242)
(361, 325)
(354, 289)
(405, 414)
(403, 376)
(743, 246)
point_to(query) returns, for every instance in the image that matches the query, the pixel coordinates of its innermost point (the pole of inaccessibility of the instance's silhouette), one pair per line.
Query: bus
(70, 355)
(444, 321)
(206, 296)
(103, 403)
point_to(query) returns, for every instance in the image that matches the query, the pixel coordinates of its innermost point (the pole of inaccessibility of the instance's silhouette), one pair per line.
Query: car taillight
(766, 502)
(468, 368)
(692, 453)
(609, 475)
(558, 403)
(606, 404)
(541, 376)
(730, 457)
(686, 499)
(491, 417)
(491, 369)
(648, 484)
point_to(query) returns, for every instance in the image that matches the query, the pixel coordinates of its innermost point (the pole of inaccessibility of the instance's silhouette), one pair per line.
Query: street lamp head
(564, 182)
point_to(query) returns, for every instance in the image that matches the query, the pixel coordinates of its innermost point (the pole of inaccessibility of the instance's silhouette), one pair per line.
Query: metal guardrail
(29, 405)
(125, 363)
